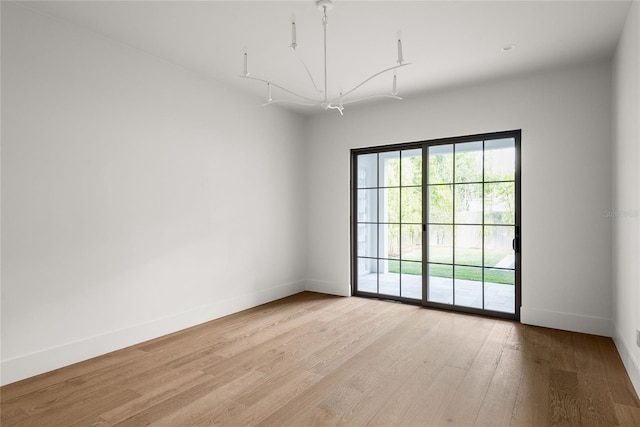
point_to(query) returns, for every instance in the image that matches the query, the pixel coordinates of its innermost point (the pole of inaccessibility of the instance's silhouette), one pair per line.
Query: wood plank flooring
(314, 359)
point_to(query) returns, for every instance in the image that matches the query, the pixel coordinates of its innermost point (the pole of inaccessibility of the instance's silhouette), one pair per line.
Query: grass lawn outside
(468, 256)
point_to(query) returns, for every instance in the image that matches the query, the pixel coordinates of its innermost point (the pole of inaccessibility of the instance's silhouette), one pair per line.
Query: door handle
(515, 243)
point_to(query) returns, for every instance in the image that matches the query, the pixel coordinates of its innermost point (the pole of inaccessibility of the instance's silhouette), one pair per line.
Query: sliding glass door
(389, 223)
(437, 223)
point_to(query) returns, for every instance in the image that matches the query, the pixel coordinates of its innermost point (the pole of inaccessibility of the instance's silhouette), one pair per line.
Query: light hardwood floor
(314, 359)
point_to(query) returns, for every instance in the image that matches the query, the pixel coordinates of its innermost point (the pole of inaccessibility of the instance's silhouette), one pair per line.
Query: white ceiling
(448, 42)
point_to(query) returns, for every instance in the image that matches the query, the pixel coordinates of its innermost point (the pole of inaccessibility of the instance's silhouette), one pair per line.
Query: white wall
(626, 196)
(138, 198)
(565, 117)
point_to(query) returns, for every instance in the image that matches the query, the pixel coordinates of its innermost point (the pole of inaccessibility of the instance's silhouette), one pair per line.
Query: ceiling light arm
(289, 101)
(315, 86)
(365, 98)
(269, 82)
(335, 107)
(373, 76)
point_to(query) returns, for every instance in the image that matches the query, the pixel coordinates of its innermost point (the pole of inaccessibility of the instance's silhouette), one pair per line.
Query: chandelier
(321, 99)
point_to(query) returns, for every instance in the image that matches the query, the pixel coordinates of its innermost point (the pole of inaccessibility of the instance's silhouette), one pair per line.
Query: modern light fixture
(322, 100)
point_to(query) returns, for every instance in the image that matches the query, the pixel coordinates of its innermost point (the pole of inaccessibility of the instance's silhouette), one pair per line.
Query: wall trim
(331, 288)
(36, 363)
(566, 321)
(630, 363)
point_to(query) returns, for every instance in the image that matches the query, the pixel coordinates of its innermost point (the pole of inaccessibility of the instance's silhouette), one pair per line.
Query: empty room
(393, 213)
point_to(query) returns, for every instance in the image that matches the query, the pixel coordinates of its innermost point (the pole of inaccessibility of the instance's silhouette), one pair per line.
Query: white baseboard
(332, 288)
(566, 321)
(53, 358)
(631, 364)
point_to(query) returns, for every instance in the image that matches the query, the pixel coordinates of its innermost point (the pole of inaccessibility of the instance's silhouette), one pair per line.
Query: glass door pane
(440, 230)
(389, 224)
(470, 214)
(499, 229)
(411, 224)
(389, 213)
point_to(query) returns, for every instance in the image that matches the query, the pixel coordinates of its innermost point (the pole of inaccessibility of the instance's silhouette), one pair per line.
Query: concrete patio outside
(468, 293)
